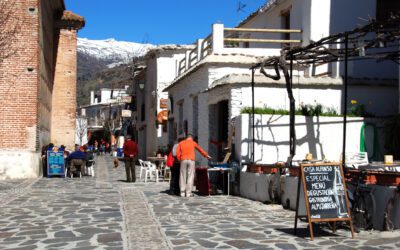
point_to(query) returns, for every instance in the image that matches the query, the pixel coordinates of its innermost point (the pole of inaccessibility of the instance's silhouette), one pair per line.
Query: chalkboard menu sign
(325, 191)
(325, 194)
(55, 163)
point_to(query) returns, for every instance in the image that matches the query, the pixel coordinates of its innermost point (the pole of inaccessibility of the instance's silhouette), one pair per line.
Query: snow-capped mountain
(112, 51)
(105, 63)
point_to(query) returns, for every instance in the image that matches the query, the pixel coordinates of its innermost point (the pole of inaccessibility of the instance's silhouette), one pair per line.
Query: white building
(157, 70)
(105, 114)
(213, 82)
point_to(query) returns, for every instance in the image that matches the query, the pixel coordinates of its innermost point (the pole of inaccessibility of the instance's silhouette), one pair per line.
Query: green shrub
(305, 110)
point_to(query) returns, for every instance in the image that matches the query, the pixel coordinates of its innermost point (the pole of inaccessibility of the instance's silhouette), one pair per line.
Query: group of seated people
(79, 160)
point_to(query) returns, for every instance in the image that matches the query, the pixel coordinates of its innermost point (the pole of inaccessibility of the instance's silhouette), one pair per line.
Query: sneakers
(187, 195)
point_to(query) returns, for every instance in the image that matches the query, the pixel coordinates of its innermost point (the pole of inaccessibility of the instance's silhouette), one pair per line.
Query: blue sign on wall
(55, 163)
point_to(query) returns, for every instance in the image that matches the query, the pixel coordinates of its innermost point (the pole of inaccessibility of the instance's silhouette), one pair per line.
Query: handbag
(170, 160)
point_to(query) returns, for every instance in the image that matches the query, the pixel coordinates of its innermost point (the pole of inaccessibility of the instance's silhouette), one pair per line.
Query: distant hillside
(116, 77)
(105, 63)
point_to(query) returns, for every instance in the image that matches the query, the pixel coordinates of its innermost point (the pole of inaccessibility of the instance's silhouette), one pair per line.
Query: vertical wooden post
(252, 115)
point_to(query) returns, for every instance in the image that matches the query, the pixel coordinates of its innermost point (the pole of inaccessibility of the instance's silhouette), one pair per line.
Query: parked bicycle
(392, 208)
(363, 205)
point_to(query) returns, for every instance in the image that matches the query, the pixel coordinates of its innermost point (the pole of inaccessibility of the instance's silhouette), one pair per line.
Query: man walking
(186, 155)
(130, 150)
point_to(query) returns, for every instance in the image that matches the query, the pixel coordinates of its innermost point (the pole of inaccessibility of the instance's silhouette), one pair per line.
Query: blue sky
(158, 21)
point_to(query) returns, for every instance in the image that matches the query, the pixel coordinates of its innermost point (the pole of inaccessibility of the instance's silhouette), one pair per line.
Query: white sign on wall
(126, 113)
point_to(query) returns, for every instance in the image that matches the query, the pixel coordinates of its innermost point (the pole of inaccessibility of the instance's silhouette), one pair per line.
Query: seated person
(76, 158)
(89, 157)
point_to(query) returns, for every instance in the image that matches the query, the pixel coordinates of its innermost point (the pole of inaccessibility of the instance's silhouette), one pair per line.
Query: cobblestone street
(105, 212)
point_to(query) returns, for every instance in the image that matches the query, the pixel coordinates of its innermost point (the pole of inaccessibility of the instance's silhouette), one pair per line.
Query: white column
(199, 49)
(91, 97)
(187, 59)
(217, 37)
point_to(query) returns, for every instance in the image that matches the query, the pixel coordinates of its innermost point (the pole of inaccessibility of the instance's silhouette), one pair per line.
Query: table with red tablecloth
(202, 181)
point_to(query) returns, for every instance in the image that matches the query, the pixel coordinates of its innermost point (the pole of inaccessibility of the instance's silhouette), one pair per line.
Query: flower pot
(370, 179)
(386, 179)
(270, 170)
(255, 169)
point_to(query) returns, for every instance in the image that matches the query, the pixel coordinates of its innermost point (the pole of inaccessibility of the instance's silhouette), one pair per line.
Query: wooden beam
(260, 40)
(263, 30)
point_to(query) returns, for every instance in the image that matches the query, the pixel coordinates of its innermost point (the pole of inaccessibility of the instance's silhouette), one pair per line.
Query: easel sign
(55, 163)
(325, 195)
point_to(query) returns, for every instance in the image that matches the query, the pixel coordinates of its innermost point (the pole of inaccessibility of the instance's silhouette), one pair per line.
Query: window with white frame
(180, 117)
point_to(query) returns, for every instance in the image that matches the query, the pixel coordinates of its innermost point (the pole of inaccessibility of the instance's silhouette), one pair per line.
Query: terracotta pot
(388, 179)
(270, 170)
(370, 179)
(255, 169)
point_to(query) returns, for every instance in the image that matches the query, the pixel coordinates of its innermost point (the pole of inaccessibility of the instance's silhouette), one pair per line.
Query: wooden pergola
(378, 41)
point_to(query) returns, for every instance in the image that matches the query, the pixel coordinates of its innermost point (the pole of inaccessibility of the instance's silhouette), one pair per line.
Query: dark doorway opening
(222, 127)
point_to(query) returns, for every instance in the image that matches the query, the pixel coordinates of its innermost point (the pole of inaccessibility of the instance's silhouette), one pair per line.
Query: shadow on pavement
(305, 233)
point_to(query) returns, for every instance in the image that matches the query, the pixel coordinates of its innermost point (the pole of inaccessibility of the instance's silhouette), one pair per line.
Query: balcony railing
(231, 40)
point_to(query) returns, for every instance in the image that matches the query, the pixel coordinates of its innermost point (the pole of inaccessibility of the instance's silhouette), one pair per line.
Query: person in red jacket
(130, 150)
(186, 155)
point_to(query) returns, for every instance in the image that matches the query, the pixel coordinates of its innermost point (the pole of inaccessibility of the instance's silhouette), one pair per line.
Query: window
(142, 113)
(171, 104)
(180, 118)
(165, 127)
(285, 20)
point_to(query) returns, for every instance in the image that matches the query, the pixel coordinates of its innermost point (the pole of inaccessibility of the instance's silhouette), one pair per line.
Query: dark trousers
(130, 170)
(175, 173)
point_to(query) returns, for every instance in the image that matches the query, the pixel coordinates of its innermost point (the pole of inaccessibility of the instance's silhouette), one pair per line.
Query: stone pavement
(105, 212)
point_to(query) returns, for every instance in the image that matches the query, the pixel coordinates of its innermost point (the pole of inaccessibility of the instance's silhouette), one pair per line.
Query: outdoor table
(160, 159)
(223, 170)
(204, 179)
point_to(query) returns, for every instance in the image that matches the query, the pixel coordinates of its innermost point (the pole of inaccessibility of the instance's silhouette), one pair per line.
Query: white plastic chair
(151, 169)
(90, 167)
(167, 174)
(143, 167)
(356, 159)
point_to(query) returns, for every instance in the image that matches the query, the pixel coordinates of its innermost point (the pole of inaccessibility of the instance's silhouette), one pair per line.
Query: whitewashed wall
(15, 164)
(188, 87)
(161, 71)
(321, 136)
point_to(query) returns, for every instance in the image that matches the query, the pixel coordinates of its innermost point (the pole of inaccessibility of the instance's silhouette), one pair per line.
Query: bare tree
(81, 128)
(10, 26)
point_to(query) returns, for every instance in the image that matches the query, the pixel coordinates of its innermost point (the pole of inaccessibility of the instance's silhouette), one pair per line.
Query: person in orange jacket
(186, 155)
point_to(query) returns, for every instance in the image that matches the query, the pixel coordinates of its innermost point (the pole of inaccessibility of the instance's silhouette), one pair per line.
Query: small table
(228, 170)
(161, 159)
